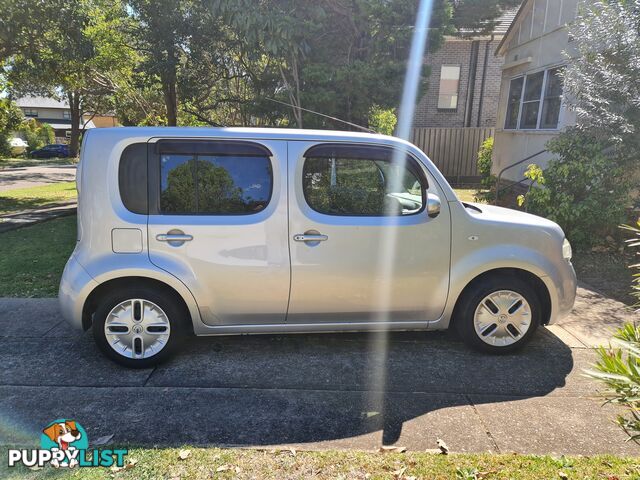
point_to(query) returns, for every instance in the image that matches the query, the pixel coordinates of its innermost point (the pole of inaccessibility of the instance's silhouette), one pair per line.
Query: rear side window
(361, 181)
(214, 178)
(132, 178)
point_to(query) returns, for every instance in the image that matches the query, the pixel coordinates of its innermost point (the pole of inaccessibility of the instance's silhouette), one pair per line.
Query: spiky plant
(618, 367)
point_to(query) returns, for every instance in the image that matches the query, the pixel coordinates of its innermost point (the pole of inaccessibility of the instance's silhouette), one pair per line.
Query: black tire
(471, 298)
(166, 300)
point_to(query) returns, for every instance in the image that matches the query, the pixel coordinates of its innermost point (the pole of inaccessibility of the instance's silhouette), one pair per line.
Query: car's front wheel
(138, 327)
(498, 314)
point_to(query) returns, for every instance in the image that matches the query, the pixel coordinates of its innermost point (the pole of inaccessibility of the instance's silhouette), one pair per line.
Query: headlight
(567, 253)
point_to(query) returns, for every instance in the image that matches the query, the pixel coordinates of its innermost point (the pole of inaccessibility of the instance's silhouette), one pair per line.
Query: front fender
(477, 262)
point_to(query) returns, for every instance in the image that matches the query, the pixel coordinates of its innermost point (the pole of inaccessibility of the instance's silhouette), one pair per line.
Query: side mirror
(433, 205)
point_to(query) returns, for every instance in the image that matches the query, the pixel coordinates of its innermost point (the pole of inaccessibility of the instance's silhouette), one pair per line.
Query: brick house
(464, 82)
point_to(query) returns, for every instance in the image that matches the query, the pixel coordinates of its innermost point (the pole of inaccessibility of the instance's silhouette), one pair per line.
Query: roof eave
(500, 49)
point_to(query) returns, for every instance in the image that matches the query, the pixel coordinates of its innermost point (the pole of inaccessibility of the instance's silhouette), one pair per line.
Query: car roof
(120, 133)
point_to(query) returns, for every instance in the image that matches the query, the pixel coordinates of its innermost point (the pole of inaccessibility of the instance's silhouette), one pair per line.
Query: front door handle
(304, 237)
(175, 238)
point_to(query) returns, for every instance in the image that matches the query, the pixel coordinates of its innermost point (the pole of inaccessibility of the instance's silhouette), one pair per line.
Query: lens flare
(388, 245)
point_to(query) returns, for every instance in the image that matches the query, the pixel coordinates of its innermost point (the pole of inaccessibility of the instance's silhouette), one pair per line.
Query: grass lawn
(35, 162)
(32, 258)
(35, 197)
(467, 194)
(214, 463)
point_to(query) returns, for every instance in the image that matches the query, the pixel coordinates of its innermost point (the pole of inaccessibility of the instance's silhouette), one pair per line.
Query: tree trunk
(169, 79)
(171, 102)
(76, 118)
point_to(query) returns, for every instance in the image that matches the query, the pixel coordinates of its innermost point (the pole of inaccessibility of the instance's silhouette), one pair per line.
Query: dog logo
(65, 436)
(64, 443)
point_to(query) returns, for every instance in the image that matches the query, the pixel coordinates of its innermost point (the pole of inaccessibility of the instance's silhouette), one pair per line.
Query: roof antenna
(368, 130)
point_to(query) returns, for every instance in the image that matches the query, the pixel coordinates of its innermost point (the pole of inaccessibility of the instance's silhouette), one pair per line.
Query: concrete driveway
(24, 177)
(311, 391)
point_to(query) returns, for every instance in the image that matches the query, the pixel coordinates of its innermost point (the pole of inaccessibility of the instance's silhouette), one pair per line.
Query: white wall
(541, 36)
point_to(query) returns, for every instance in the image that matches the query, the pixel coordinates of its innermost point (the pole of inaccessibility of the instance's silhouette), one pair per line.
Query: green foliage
(586, 189)
(603, 77)
(67, 49)
(619, 369)
(36, 134)
(382, 120)
(10, 118)
(634, 242)
(487, 179)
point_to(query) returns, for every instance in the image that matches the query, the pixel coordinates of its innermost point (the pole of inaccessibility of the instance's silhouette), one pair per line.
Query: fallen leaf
(391, 448)
(293, 452)
(223, 468)
(398, 473)
(444, 449)
(563, 475)
(133, 461)
(184, 454)
(102, 440)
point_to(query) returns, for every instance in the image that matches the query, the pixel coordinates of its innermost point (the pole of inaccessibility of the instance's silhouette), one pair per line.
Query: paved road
(311, 391)
(23, 177)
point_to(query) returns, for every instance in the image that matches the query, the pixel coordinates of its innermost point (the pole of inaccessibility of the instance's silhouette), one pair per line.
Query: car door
(363, 247)
(218, 222)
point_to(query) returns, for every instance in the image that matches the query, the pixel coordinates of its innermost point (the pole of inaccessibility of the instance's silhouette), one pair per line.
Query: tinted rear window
(214, 181)
(132, 178)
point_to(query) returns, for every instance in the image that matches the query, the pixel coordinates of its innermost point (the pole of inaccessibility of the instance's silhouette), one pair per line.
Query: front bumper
(564, 289)
(75, 286)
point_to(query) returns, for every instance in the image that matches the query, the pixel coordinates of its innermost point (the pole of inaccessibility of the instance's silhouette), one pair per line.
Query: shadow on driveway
(311, 390)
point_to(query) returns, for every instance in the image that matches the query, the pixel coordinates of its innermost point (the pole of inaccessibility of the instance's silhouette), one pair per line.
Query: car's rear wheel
(498, 314)
(139, 327)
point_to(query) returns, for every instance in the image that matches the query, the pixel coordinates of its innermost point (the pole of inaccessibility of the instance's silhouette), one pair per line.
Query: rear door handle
(313, 237)
(174, 238)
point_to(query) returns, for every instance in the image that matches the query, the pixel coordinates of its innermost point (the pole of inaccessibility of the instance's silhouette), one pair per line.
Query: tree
(342, 58)
(603, 77)
(76, 54)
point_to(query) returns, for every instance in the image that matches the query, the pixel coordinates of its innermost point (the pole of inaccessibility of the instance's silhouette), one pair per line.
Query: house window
(552, 99)
(534, 101)
(449, 85)
(66, 114)
(513, 106)
(30, 112)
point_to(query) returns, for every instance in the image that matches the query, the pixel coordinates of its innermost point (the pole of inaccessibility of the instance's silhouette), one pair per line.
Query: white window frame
(31, 113)
(66, 114)
(541, 102)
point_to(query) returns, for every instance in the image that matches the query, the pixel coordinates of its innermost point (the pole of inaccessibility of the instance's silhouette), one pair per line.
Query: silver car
(201, 231)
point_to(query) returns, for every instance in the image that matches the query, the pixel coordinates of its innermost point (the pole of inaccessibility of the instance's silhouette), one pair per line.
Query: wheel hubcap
(137, 328)
(502, 318)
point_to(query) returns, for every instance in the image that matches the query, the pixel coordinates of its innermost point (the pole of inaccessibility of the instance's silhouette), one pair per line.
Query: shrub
(619, 368)
(382, 121)
(36, 134)
(10, 118)
(586, 189)
(485, 162)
